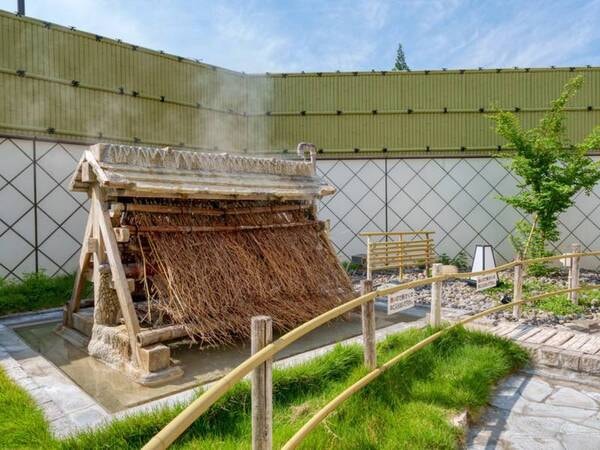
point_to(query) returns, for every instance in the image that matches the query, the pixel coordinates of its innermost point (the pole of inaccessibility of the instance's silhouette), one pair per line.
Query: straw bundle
(212, 271)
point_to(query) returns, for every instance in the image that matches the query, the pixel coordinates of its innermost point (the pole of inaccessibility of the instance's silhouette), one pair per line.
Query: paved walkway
(543, 409)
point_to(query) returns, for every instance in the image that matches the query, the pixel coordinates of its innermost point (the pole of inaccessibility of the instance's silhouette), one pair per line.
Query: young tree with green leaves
(552, 171)
(400, 60)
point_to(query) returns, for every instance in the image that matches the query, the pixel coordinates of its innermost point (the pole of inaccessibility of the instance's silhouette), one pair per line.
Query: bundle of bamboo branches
(212, 265)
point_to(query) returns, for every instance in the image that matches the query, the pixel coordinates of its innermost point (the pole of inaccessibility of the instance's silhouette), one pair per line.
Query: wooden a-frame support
(99, 240)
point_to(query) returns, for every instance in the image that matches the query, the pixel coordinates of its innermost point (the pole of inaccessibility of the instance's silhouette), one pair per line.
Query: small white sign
(486, 281)
(400, 301)
(566, 261)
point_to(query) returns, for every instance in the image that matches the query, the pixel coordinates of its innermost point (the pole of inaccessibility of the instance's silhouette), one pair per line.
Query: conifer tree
(400, 59)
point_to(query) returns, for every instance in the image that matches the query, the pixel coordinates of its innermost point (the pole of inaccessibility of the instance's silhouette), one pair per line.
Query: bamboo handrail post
(574, 273)
(435, 317)
(262, 386)
(517, 289)
(368, 326)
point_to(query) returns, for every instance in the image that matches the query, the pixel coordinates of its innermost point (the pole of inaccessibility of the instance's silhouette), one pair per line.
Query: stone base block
(83, 321)
(157, 378)
(590, 364)
(548, 356)
(569, 360)
(154, 358)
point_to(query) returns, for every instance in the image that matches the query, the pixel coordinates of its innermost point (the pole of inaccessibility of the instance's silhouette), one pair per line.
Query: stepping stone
(542, 336)
(581, 441)
(533, 427)
(545, 409)
(536, 390)
(529, 443)
(559, 338)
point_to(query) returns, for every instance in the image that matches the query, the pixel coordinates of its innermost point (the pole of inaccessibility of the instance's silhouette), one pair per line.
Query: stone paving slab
(535, 411)
(65, 405)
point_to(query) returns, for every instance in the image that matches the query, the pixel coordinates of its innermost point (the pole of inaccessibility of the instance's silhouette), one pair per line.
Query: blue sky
(310, 35)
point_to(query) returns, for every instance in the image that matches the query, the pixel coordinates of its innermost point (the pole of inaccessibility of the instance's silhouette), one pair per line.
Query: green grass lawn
(36, 291)
(407, 407)
(22, 424)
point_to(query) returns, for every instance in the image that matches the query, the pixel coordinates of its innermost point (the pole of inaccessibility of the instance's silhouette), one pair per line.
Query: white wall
(455, 197)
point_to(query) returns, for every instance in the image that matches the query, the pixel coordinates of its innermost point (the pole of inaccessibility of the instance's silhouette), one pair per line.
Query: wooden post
(401, 253)
(262, 386)
(435, 317)
(369, 275)
(368, 326)
(517, 289)
(108, 247)
(574, 273)
(427, 254)
(82, 267)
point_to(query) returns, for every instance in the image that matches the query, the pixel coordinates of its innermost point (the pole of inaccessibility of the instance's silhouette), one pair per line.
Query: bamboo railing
(164, 438)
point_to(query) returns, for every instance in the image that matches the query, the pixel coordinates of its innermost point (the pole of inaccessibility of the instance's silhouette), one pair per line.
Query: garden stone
(534, 426)
(582, 441)
(536, 390)
(590, 364)
(561, 412)
(548, 356)
(527, 443)
(570, 397)
(569, 359)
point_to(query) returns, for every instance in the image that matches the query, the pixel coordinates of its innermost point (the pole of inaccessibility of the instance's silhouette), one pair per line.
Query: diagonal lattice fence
(41, 221)
(458, 198)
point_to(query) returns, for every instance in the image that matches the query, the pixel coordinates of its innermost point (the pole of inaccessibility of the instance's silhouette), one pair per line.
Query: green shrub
(460, 260)
(36, 291)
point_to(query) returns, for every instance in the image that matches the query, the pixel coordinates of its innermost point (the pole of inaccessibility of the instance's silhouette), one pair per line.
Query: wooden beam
(102, 217)
(87, 174)
(130, 284)
(122, 234)
(116, 209)
(174, 209)
(194, 228)
(395, 233)
(155, 335)
(80, 278)
(90, 245)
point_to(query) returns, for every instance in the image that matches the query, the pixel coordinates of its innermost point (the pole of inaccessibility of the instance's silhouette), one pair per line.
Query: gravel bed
(460, 295)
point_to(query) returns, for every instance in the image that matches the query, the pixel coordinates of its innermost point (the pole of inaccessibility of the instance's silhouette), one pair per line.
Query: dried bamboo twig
(273, 262)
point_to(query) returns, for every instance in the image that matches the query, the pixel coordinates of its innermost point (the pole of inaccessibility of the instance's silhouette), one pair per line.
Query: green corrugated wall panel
(67, 55)
(53, 56)
(418, 91)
